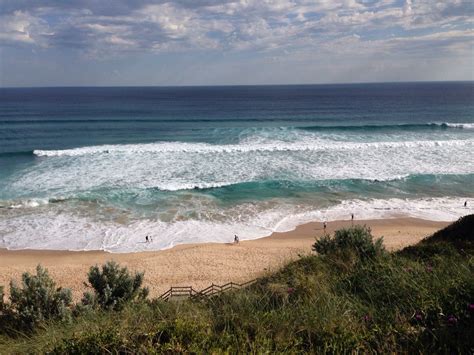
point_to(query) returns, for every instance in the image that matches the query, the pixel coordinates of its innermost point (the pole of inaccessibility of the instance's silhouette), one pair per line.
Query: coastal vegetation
(350, 295)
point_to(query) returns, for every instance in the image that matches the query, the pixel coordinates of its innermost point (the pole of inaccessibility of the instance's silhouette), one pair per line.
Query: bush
(38, 300)
(113, 286)
(357, 240)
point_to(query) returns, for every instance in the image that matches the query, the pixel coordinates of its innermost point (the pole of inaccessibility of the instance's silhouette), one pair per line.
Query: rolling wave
(277, 146)
(460, 125)
(408, 127)
(174, 166)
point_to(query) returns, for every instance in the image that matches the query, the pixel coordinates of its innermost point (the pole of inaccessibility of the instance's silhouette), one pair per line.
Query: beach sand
(199, 265)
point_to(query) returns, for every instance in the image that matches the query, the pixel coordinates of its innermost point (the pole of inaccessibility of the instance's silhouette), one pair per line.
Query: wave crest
(403, 126)
(204, 148)
(459, 125)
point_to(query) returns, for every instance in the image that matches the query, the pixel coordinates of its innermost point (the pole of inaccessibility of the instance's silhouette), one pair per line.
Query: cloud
(115, 26)
(22, 28)
(284, 30)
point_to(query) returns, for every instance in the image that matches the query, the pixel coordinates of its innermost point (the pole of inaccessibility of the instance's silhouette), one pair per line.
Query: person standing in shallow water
(465, 203)
(146, 239)
(352, 218)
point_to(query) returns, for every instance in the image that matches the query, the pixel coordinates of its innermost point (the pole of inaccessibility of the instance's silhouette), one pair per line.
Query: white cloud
(22, 28)
(295, 32)
(239, 25)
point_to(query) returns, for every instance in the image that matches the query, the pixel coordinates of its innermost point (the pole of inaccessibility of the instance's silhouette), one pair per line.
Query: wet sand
(199, 265)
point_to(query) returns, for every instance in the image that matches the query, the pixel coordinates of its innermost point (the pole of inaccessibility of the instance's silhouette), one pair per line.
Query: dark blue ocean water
(93, 168)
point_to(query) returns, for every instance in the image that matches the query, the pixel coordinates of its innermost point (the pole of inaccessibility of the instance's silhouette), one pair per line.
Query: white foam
(32, 203)
(298, 156)
(460, 125)
(179, 166)
(277, 146)
(68, 231)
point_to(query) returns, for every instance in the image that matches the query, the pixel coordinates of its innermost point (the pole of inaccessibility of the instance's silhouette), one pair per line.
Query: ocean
(100, 168)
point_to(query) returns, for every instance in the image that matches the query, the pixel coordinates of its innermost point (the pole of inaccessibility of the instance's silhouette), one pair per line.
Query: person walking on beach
(236, 239)
(352, 218)
(324, 226)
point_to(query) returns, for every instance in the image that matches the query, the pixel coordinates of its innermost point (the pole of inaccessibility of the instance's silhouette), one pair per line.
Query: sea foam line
(179, 147)
(459, 125)
(68, 231)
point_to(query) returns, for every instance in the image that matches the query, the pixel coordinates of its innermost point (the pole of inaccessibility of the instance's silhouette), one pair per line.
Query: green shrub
(105, 341)
(356, 240)
(113, 286)
(38, 300)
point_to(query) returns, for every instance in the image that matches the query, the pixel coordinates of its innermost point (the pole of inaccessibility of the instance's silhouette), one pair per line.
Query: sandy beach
(199, 265)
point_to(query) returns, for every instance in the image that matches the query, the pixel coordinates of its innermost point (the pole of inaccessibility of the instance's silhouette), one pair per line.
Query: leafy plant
(357, 240)
(113, 286)
(38, 300)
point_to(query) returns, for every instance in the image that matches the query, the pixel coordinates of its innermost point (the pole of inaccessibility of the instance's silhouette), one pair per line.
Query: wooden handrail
(207, 292)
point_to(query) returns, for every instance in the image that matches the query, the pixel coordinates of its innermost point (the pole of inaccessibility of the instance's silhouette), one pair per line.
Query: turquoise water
(99, 168)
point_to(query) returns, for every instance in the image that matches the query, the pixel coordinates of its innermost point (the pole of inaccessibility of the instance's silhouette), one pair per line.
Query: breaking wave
(394, 127)
(182, 147)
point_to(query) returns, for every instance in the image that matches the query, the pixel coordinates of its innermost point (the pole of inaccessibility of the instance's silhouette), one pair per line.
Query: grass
(419, 300)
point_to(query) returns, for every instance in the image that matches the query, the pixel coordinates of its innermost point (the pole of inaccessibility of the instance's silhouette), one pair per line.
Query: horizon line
(236, 85)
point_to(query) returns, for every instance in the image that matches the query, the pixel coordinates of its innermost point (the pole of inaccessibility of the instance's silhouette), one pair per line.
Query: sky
(233, 42)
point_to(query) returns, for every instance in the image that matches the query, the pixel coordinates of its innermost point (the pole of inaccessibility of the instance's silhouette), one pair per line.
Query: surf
(69, 230)
(204, 148)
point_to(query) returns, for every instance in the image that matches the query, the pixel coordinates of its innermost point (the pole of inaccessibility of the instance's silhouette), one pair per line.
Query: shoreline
(62, 229)
(201, 264)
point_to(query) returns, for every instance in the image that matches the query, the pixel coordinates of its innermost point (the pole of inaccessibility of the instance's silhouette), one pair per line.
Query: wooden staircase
(184, 292)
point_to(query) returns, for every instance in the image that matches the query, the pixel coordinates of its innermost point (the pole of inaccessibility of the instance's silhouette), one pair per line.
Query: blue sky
(215, 42)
